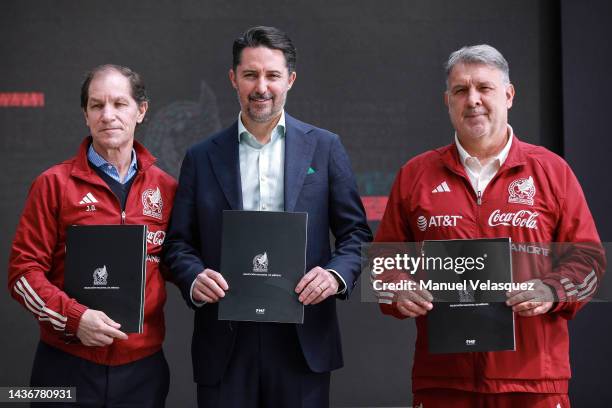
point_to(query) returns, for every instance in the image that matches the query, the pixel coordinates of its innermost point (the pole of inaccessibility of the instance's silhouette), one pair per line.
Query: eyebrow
(460, 86)
(480, 83)
(249, 71)
(115, 98)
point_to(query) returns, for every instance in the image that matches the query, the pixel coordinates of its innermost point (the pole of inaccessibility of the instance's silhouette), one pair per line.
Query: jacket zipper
(127, 198)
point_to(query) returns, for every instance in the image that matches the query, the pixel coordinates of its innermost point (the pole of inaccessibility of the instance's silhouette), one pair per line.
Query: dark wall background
(369, 71)
(587, 57)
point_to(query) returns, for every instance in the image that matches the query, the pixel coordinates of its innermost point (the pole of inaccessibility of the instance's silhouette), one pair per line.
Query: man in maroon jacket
(111, 180)
(489, 184)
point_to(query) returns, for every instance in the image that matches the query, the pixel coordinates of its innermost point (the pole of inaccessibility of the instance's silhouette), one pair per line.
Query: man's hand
(531, 302)
(97, 329)
(316, 286)
(414, 303)
(210, 286)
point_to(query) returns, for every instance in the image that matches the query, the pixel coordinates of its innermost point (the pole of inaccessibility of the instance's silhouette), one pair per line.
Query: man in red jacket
(111, 180)
(489, 184)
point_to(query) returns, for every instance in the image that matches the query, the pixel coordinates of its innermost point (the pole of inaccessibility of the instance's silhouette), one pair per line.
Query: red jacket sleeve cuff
(74, 314)
(559, 293)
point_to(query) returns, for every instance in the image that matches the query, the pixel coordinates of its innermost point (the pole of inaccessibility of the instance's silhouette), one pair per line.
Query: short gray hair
(479, 54)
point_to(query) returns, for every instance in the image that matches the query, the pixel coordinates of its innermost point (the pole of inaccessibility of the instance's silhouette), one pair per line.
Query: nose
(107, 113)
(262, 85)
(474, 97)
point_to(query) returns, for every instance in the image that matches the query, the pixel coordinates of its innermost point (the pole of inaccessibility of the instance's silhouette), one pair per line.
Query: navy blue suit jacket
(210, 183)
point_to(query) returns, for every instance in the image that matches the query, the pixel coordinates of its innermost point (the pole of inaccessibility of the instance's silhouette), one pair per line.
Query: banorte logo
(522, 218)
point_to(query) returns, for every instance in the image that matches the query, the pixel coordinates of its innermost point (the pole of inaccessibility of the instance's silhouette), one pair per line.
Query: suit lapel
(226, 166)
(299, 149)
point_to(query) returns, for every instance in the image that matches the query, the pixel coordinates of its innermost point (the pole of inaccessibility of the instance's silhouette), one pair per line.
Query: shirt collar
(501, 156)
(244, 134)
(100, 161)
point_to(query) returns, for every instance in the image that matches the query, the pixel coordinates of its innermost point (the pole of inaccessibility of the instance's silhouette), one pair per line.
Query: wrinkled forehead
(474, 73)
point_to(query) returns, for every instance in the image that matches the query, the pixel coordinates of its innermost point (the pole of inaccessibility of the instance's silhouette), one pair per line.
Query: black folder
(263, 257)
(471, 319)
(106, 270)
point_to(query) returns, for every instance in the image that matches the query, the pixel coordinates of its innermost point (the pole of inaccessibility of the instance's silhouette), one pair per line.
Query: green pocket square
(310, 171)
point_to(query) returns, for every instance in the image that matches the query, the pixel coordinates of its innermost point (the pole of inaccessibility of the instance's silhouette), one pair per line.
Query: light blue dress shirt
(110, 170)
(262, 169)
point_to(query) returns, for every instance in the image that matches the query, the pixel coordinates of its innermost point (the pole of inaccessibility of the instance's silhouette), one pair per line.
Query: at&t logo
(437, 221)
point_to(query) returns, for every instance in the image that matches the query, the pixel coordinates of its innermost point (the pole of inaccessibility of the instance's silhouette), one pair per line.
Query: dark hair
(269, 37)
(139, 93)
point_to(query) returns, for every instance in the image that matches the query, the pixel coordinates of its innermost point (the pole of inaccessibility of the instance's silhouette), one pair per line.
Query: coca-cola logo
(156, 237)
(522, 218)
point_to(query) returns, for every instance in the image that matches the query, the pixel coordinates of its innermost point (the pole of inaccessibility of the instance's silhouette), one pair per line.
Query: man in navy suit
(266, 161)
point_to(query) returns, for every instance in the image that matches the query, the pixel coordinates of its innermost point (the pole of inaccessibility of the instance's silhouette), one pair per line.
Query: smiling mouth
(474, 115)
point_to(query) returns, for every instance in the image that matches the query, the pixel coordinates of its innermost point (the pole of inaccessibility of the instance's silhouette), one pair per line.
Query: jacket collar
(81, 168)
(451, 159)
(226, 165)
(299, 149)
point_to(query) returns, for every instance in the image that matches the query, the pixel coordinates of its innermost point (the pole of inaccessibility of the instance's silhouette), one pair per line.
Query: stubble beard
(266, 115)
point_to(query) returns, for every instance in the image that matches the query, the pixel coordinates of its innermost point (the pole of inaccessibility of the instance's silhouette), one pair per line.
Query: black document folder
(106, 270)
(263, 257)
(469, 312)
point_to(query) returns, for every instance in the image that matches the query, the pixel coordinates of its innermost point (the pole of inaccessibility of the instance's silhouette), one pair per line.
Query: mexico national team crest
(260, 263)
(152, 203)
(522, 191)
(100, 276)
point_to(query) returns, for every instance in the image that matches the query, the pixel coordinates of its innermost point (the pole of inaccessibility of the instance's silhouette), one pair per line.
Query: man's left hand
(316, 286)
(533, 302)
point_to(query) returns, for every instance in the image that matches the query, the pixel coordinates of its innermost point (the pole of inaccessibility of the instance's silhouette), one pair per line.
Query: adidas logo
(441, 188)
(88, 199)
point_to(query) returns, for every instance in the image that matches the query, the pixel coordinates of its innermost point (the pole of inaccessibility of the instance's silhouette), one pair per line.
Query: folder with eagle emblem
(106, 270)
(468, 279)
(263, 257)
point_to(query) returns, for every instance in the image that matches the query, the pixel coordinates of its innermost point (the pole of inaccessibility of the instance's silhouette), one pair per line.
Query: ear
(446, 98)
(232, 78)
(85, 116)
(292, 78)
(142, 109)
(509, 95)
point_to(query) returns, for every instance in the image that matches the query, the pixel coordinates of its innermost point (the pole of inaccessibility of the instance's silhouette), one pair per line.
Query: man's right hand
(209, 287)
(97, 329)
(414, 303)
